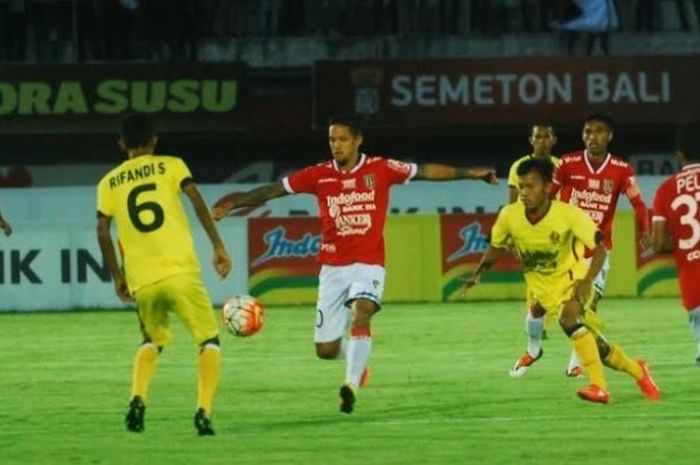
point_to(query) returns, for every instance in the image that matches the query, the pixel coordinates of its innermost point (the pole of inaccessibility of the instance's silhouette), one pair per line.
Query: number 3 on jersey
(136, 209)
(689, 219)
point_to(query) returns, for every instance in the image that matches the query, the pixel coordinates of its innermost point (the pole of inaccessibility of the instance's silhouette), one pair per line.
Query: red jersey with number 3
(676, 202)
(595, 189)
(352, 206)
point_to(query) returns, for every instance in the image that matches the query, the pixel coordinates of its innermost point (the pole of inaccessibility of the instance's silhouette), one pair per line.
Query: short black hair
(602, 117)
(544, 168)
(543, 124)
(137, 130)
(347, 120)
(688, 140)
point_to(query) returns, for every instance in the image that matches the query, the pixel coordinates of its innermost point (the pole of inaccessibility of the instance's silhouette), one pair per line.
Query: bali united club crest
(608, 186)
(369, 181)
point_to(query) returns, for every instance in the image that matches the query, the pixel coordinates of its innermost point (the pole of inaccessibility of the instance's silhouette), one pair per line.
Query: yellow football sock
(209, 370)
(144, 366)
(587, 351)
(618, 360)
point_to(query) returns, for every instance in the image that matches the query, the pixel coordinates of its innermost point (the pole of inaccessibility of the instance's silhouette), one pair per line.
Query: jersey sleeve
(302, 181)
(399, 172)
(179, 173)
(500, 233)
(582, 226)
(513, 175)
(104, 200)
(629, 183)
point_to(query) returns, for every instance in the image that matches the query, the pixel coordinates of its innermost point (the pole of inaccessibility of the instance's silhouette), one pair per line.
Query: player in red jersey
(593, 179)
(676, 222)
(352, 191)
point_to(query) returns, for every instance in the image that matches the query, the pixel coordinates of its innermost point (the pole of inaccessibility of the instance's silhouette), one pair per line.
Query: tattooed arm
(251, 198)
(438, 172)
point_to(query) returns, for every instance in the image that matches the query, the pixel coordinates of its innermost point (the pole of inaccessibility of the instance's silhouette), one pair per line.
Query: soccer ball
(243, 315)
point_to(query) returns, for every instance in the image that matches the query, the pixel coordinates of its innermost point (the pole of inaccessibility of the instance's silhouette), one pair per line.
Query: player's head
(542, 139)
(597, 133)
(688, 143)
(345, 138)
(138, 134)
(534, 182)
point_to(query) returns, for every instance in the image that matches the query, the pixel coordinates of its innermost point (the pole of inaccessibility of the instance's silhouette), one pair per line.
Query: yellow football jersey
(143, 196)
(553, 246)
(513, 173)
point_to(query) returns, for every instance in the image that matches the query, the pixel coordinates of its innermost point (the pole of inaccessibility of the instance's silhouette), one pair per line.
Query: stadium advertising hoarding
(657, 274)
(59, 266)
(93, 98)
(509, 91)
(282, 267)
(464, 238)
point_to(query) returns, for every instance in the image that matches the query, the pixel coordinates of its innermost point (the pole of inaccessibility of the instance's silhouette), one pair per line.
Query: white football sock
(534, 327)
(573, 361)
(694, 319)
(358, 351)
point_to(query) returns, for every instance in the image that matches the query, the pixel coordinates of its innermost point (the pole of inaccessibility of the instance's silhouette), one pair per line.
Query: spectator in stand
(598, 18)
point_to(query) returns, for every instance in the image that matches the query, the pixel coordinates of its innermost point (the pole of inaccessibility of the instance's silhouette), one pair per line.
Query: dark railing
(173, 30)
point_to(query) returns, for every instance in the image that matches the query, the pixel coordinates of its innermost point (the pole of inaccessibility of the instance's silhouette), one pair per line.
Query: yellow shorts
(183, 294)
(550, 292)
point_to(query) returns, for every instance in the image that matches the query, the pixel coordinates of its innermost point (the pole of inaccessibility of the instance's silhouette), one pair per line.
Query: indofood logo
(280, 246)
(474, 242)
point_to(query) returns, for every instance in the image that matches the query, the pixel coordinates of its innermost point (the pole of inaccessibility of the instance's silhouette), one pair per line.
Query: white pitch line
(613, 415)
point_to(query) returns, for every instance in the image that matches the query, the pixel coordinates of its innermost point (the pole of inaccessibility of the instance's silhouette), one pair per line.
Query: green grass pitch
(440, 393)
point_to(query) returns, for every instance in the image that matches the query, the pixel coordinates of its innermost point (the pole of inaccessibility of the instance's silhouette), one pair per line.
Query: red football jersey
(676, 202)
(595, 189)
(352, 206)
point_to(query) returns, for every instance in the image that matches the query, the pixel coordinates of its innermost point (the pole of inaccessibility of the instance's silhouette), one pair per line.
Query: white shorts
(602, 278)
(338, 286)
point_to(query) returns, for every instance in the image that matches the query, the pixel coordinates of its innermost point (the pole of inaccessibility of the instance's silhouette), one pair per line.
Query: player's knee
(603, 348)
(213, 341)
(537, 311)
(327, 351)
(147, 341)
(569, 317)
(363, 309)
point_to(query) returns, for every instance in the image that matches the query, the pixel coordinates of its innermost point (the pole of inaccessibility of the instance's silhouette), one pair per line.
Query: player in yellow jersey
(160, 268)
(549, 236)
(542, 139)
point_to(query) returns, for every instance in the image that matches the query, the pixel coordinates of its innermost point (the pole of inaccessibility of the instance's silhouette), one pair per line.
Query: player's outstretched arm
(490, 258)
(107, 246)
(5, 225)
(438, 172)
(251, 198)
(222, 261)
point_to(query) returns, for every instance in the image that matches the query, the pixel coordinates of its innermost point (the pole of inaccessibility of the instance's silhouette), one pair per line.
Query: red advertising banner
(282, 257)
(93, 98)
(508, 91)
(464, 239)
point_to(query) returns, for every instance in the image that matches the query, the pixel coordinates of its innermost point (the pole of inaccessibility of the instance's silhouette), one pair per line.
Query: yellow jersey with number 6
(143, 196)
